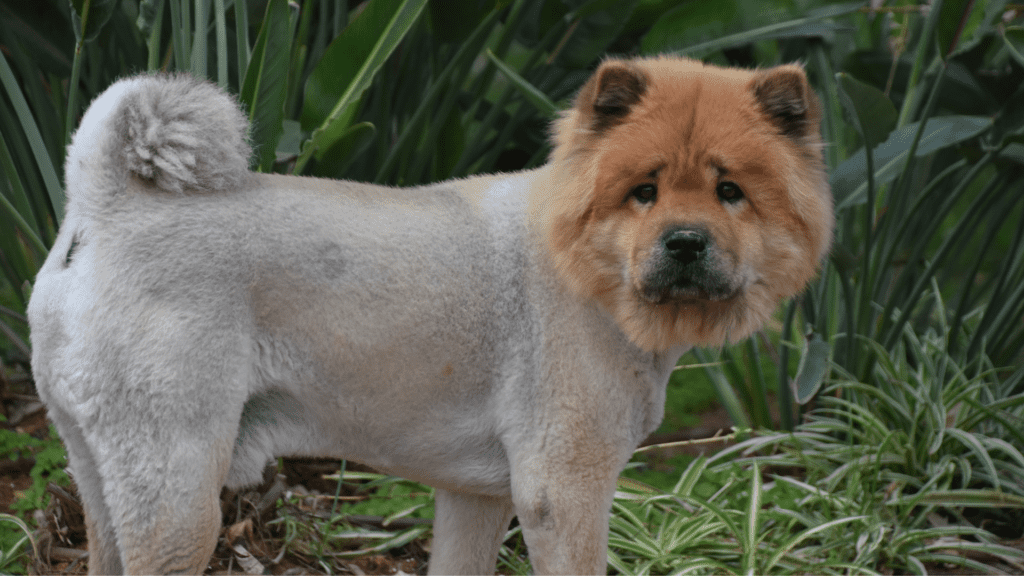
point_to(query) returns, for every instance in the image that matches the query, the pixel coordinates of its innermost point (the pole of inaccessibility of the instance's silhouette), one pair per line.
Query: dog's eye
(645, 193)
(729, 192)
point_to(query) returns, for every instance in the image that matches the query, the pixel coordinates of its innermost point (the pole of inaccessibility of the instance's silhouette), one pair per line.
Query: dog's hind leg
(468, 531)
(164, 501)
(104, 555)
(164, 446)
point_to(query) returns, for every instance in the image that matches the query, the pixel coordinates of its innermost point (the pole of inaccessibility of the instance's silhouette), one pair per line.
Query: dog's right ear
(787, 99)
(610, 94)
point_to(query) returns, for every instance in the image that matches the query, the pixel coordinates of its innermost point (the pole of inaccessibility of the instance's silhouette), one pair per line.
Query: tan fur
(693, 118)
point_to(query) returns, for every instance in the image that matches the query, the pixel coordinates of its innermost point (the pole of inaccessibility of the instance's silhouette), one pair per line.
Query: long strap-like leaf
(266, 80)
(35, 139)
(401, 15)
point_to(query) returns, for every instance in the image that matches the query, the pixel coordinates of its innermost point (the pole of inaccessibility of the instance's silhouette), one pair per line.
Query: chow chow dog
(505, 339)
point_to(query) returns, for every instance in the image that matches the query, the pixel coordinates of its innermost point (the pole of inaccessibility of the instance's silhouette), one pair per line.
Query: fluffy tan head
(687, 199)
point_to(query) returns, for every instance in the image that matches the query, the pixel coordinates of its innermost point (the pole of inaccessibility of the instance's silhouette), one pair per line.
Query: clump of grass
(50, 460)
(327, 533)
(12, 544)
(883, 476)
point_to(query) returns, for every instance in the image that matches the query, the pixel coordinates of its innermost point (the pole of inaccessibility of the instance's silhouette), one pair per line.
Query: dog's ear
(786, 97)
(610, 94)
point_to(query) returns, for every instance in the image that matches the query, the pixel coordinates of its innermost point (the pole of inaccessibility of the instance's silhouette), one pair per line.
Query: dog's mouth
(688, 268)
(683, 289)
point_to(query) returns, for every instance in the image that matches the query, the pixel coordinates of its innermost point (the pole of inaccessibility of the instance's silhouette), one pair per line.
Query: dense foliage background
(894, 383)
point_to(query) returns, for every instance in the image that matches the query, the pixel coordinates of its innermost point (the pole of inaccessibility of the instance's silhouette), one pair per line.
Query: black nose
(685, 244)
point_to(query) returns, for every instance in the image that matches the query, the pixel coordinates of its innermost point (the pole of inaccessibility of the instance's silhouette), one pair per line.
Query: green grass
(689, 392)
(50, 462)
(15, 540)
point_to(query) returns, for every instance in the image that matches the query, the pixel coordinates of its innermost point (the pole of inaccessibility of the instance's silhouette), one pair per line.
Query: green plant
(12, 543)
(924, 451)
(921, 462)
(395, 91)
(327, 537)
(730, 525)
(50, 460)
(929, 199)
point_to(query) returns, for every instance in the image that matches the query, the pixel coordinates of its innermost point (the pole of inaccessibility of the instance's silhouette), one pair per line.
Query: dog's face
(688, 199)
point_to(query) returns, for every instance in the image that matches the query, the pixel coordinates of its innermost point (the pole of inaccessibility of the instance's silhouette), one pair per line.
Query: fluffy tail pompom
(177, 132)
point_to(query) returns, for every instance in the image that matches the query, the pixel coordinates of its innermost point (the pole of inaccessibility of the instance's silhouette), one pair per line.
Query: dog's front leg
(563, 508)
(468, 531)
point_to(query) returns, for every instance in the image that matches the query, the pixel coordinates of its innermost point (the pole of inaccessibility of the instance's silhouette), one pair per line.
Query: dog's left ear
(786, 97)
(610, 94)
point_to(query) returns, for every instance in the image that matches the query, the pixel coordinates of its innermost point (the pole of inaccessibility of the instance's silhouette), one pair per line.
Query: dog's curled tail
(177, 132)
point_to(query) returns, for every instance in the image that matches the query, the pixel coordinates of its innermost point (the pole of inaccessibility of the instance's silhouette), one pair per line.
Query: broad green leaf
(44, 163)
(1013, 152)
(95, 14)
(960, 21)
(689, 24)
(848, 180)
(597, 23)
(454, 20)
(451, 142)
(290, 143)
(369, 37)
(1013, 40)
(867, 109)
(333, 159)
(436, 98)
(348, 66)
(539, 100)
(812, 369)
(815, 24)
(266, 81)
